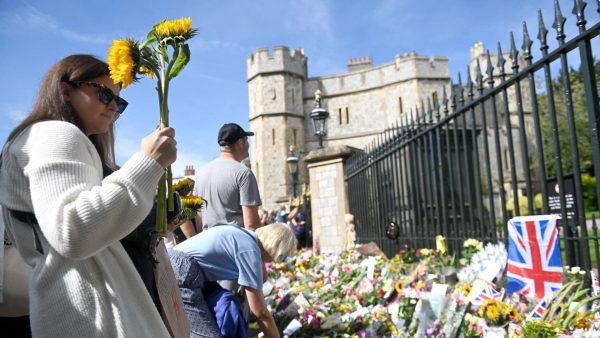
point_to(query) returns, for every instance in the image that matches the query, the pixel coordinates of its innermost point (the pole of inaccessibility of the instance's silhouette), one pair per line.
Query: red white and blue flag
(539, 309)
(595, 292)
(487, 293)
(595, 284)
(534, 265)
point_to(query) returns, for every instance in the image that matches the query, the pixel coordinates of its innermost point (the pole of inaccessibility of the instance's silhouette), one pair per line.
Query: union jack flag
(487, 293)
(595, 292)
(534, 262)
(595, 284)
(538, 310)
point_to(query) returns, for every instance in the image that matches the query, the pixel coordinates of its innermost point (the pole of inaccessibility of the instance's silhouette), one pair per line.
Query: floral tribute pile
(419, 293)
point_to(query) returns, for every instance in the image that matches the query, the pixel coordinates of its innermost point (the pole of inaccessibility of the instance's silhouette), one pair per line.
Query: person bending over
(228, 252)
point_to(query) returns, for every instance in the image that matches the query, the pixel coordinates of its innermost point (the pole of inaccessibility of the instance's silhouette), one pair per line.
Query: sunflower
(146, 71)
(492, 313)
(184, 187)
(398, 286)
(123, 60)
(180, 29)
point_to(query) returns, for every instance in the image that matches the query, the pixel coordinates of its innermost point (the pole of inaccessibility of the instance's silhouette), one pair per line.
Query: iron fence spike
(542, 33)
(559, 23)
(514, 54)
(453, 102)
(469, 84)
(445, 101)
(478, 76)
(429, 111)
(527, 43)
(578, 10)
(461, 95)
(501, 60)
(489, 70)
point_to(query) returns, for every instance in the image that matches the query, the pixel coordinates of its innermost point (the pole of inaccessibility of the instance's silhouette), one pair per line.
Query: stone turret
(275, 93)
(361, 63)
(189, 171)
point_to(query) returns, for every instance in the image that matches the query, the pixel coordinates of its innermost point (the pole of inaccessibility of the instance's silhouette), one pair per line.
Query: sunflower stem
(161, 212)
(165, 121)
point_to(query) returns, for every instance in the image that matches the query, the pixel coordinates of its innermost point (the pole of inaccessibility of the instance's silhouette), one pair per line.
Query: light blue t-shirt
(227, 252)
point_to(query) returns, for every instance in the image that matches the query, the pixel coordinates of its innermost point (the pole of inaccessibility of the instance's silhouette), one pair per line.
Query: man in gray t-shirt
(228, 186)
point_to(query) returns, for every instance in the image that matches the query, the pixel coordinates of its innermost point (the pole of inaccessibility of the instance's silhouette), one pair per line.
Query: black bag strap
(24, 216)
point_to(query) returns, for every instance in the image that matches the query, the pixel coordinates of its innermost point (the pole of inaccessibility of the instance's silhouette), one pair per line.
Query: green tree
(581, 123)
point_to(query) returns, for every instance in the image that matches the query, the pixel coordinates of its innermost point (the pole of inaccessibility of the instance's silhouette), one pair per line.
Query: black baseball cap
(230, 133)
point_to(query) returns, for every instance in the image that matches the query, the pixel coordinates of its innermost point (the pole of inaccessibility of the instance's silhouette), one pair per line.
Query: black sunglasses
(105, 95)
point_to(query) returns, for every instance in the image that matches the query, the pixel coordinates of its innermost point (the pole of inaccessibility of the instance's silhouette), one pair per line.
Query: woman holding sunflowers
(66, 219)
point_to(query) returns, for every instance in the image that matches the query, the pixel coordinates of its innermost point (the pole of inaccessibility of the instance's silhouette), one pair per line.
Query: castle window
(294, 137)
(343, 115)
(293, 96)
(434, 97)
(400, 108)
(347, 116)
(273, 136)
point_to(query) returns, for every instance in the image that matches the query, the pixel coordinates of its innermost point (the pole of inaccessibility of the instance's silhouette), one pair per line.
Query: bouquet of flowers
(498, 313)
(190, 203)
(470, 247)
(163, 55)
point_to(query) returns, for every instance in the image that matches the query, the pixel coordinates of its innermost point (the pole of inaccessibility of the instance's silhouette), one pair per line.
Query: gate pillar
(329, 201)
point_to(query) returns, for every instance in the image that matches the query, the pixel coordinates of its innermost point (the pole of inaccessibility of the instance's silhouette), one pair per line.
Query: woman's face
(84, 96)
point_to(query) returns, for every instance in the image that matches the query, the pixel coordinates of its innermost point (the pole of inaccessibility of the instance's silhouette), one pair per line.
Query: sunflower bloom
(174, 28)
(146, 72)
(398, 286)
(194, 202)
(122, 60)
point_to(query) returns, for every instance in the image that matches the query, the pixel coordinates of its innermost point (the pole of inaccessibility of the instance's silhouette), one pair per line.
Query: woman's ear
(65, 89)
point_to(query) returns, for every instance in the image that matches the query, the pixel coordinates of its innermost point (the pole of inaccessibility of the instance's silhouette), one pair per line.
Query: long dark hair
(51, 104)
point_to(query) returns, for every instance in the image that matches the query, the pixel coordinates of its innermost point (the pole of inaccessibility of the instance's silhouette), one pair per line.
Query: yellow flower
(178, 28)
(398, 286)
(184, 186)
(492, 313)
(122, 60)
(194, 202)
(146, 71)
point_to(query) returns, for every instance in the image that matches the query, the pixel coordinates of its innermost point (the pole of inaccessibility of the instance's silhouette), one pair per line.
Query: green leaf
(152, 33)
(182, 59)
(151, 40)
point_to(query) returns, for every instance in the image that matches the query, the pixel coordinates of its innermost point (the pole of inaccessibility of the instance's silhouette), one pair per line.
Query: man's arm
(188, 228)
(256, 301)
(251, 218)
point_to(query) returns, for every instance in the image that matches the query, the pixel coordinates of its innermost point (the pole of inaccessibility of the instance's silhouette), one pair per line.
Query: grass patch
(589, 214)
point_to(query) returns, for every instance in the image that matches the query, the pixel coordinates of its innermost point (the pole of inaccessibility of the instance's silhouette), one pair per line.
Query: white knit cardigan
(84, 284)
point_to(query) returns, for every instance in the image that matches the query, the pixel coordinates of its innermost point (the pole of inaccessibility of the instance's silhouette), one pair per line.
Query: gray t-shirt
(226, 185)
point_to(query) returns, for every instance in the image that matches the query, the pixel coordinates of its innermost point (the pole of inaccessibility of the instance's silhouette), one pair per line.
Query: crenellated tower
(275, 92)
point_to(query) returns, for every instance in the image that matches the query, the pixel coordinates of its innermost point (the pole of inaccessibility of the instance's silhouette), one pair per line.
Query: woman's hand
(161, 146)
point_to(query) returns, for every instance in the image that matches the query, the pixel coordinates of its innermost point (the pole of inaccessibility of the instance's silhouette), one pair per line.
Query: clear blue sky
(212, 90)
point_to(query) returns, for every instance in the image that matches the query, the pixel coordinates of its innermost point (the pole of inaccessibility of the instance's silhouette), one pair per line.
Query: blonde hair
(278, 240)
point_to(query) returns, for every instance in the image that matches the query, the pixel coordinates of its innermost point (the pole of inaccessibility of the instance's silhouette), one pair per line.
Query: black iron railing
(463, 166)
